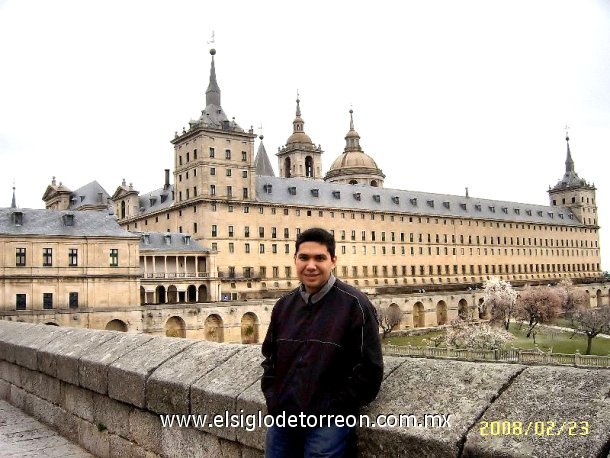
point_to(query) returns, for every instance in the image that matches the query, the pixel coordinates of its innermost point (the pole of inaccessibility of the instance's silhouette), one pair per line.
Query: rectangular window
(274, 248)
(73, 257)
(231, 247)
(212, 170)
(20, 257)
(229, 191)
(214, 230)
(212, 190)
(212, 152)
(247, 231)
(247, 248)
(230, 231)
(286, 233)
(245, 193)
(228, 172)
(273, 232)
(261, 248)
(287, 248)
(73, 300)
(20, 302)
(47, 257)
(228, 154)
(288, 272)
(244, 156)
(261, 232)
(114, 257)
(47, 301)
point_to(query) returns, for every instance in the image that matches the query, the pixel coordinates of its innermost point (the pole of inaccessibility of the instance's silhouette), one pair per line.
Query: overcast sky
(446, 94)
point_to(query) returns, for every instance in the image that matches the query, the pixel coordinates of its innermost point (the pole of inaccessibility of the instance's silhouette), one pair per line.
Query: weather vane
(211, 41)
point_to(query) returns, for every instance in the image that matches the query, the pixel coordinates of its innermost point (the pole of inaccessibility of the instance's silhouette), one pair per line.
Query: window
(228, 172)
(47, 257)
(261, 232)
(273, 232)
(20, 302)
(247, 248)
(114, 257)
(73, 257)
(212, 190)
(229, 191)
(212, 152)
(230, 231)
(47, 301)
(244, 156)
(212, 170)
(274, 248)
(214, 230)
(231, 247)
(287, 248)
(73, 300)
(244, 174)
(245, 193)
(228, 154)
(247, 231)
(288, 271)
(261, 248)
(20, 257)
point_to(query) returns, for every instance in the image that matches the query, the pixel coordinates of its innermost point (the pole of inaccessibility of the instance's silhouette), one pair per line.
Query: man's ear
(334, 260)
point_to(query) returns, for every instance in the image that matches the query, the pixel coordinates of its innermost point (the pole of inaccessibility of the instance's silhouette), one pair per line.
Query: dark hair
(319, 235)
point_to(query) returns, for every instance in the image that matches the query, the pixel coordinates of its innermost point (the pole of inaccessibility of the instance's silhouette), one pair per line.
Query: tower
(575, 193)
(300, 157)
(214, 158)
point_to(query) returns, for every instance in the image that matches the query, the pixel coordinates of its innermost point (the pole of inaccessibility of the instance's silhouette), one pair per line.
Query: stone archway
(249, 328)
(419, 317)
(191, 293)
(202, 293)
(160, 294)
(309, 167)
(484, 312)
(441, 313)
(142, 295)
(172, 294)
(598, 295)
(175, 327)
(463, 309)
(116, 325)
(213, 328)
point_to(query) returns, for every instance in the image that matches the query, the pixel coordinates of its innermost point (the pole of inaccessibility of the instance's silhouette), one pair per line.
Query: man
(322, 354)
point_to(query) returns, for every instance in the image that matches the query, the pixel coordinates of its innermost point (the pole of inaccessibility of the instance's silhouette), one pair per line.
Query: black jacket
(322, 356)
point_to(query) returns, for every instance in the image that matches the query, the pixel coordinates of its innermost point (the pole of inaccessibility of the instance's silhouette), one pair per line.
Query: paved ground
(23, 436)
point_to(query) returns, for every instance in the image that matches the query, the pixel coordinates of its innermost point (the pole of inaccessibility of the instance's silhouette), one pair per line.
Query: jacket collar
(320, 294)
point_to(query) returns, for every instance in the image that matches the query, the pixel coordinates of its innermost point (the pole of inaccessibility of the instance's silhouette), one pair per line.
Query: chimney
(166, 185)
(100, 197)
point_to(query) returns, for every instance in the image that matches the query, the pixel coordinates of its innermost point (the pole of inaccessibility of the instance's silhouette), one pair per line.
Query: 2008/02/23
(537, 428)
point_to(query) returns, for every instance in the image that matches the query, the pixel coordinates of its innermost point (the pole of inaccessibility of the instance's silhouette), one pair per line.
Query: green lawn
(546, 339)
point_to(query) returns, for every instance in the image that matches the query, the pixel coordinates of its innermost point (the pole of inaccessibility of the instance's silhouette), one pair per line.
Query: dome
(354, 159)
(299, 137)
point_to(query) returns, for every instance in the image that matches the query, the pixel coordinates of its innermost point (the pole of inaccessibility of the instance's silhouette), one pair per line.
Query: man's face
(314, 265)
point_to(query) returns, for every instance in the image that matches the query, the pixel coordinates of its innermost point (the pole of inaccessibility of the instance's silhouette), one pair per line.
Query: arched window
(122, 209)
(309, 167)
(287, 167)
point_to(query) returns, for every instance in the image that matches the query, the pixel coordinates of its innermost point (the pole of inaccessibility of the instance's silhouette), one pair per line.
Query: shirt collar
(320, 294)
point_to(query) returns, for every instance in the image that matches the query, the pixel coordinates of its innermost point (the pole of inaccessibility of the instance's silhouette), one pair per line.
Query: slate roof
(313, 193)
(88, 195)
(52, 222)
(169, 241)
(262, 162)
(159, 199)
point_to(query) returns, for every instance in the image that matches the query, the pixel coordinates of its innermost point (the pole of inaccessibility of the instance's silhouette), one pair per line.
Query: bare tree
(389, 318)
(461, 334)
(572, 298)
(537, 305)
(592, 322)
(500, 298)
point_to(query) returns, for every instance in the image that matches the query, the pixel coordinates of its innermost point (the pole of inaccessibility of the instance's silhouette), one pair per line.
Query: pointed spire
(212, 95)
(569, 161)
(351, 119)
(262, 162)
(298, 122)
(298, 106)
(352, 139)
(14, 201)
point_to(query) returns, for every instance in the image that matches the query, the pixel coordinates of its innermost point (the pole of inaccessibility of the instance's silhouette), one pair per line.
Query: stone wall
(105, 390)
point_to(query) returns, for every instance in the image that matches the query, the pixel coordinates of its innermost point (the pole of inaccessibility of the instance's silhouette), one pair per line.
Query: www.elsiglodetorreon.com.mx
(251, 421)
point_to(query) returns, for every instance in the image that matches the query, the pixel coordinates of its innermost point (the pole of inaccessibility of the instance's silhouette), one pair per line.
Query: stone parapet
(105, 390)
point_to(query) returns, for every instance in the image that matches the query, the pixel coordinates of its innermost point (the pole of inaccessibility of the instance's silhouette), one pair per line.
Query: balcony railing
(173, 275)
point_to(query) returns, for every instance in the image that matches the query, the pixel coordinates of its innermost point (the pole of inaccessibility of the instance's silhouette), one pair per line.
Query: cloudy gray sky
(446, 94)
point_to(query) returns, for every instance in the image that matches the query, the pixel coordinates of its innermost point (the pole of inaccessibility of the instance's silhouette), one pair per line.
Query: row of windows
(47, 301)
(261, 248)
(47, 257)
(187, 157)
(421, 239)
(228, 172)
(430, 270)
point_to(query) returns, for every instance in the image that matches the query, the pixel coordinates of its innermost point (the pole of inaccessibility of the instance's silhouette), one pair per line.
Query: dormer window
(430, 203)
(560, 215)
(377, 198)
(492, 209)
(396, 200)
(68, 219)
(551, 214)
(292, 190)
(187, 239)
(82, 198)
(571, 216)
(528, 212)
(315, 192)
(505, 210)
(268, 188)
(413, 201)
(146, 239)
(357, 196)
(337, 194)
(539, 212)
(477, 207)
(73, 201)
(446, 204)
(168, 239)
(18, 218)
(463, 206)
(517, 211)
(153, 200)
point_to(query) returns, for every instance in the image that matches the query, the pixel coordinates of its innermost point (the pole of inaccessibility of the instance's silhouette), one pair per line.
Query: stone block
(17, 397)
(390, 364)
(145, 430)
(247, 452)
(59, 358)
(26, 349)
(168, 387)
(9, 333)
(111, 414)
(41, 385)
(178, 442)
(77, 401)
(127, 375)
(252, 401)
(121, 448)
(462, 390)
(5, 389)
(10, 372)
(216, 392)
(549, 403)
(93, 366)
(94, 439)
(45, 411)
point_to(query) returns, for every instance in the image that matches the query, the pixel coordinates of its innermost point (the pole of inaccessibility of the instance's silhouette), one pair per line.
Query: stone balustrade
(105, 390)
